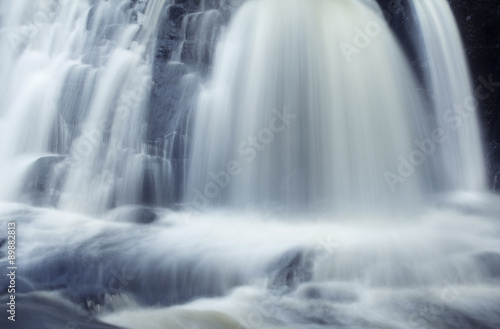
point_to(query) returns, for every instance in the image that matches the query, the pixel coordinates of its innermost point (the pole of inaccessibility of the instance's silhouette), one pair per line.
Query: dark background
(479, 23)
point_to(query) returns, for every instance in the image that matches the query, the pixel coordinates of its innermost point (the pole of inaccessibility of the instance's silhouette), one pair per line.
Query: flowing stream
(242, 164)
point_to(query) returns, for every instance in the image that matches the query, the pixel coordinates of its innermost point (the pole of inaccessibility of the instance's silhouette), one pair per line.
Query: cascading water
(80, 81)
(452, 96)
(295, 136)
(303, 116)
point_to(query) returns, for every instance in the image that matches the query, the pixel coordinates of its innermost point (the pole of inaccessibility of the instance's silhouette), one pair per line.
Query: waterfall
(79, 78)
(326, 113)
(454, 102)
(230, 164)
(313, 107)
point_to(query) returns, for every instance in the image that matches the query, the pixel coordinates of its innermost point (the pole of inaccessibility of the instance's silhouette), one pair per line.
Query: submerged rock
(144, 215)
(290, 269)
(479, 24)
(49, 311)
(490, 263)
(44, 181)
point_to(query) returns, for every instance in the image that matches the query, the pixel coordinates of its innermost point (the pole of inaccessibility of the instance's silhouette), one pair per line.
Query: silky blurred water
(309, 176)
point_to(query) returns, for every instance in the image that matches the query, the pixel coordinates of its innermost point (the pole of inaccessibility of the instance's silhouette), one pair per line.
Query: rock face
(144, 215)
(291, 269)
(44, 181)
(479, 24)
(186, 44)
(180, 62)
(187, 38)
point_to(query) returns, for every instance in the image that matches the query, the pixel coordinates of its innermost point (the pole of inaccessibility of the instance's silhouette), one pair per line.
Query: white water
(453, 99)
(233, 270)
(331, 124)
(78, 80)
(327, 124)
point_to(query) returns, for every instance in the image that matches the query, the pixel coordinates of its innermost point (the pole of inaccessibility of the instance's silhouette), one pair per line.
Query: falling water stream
(452, 97)
(306, 120)
(306, 176)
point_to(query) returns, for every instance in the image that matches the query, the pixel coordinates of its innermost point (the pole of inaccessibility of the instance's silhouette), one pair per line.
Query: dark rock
(479, 24)
(165, 95)
(335, 294)
(111, 32)
(398, 15)
(44, 181)
(490, 263)
(189, 5)
(2, 253)
(91, 18)
(437, 313)
(200, 39)
(168, 87)
(176, 85)
(24, 285)
(169, 34)
(98, 267)
(49, 312)
(162, 181)
(144, 215)
(290, 269)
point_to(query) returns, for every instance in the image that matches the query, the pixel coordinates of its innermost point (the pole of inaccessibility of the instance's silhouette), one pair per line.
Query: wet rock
(490, 263)
(48, 312)
(97, 268)
(326, 291)
(154, 191)
(165, 96)
(398, 14)
(91, 18)
(479, 24)
(190, 5)
(290, 269)
(144, 215)
(169, 35)
(44, 181)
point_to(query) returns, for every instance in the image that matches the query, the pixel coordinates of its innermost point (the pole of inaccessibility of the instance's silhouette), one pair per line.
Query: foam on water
(307, 107)
(229, 269)
(302, 117)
